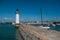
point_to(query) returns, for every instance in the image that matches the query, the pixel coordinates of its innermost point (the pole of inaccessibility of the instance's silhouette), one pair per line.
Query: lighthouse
(17, 16)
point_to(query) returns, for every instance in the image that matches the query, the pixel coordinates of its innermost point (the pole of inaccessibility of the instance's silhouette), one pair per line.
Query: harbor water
(7, 32)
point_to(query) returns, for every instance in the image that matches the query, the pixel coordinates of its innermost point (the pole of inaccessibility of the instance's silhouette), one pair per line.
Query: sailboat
(46, 27)
(53, 25)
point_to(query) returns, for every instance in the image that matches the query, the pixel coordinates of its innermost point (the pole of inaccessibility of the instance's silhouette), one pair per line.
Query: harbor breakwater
(29, 32)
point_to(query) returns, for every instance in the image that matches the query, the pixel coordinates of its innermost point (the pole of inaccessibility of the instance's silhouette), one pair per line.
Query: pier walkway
(29, 32)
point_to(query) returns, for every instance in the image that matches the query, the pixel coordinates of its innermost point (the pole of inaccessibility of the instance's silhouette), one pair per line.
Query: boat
(46, 27)
(53, 25)
(57, 24)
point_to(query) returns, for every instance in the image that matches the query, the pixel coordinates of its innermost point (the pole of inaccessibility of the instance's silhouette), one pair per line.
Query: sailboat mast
(41, 16)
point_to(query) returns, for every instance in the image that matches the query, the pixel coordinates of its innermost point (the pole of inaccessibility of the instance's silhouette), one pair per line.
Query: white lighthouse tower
(17, 16)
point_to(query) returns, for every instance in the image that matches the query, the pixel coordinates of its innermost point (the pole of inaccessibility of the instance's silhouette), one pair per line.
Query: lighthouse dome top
(17, 10)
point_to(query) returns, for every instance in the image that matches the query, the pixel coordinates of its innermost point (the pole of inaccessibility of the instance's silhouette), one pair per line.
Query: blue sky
(30, 9)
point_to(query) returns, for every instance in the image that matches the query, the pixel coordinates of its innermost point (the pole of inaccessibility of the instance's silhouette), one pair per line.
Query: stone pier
(29, 32)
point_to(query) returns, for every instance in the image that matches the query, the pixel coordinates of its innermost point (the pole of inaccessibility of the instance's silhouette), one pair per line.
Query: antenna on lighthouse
(17, 16)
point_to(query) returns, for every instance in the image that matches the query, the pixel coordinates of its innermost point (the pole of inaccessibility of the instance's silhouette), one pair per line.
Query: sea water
(7, 32)
(56, 28)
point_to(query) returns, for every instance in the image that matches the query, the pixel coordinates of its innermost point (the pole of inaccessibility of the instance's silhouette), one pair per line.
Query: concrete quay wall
(40, 23)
